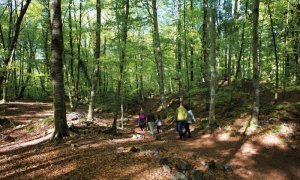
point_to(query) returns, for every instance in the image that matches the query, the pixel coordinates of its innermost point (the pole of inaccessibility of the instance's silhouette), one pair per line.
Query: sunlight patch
(272, 140)
(249, 149)
(223, 137)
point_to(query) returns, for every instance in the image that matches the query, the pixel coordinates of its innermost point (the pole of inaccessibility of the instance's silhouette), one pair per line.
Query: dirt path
(96, 155)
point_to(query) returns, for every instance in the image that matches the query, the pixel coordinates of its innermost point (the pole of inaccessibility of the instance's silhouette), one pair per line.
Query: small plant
(31, 128)
(48, 121)
(276, 129)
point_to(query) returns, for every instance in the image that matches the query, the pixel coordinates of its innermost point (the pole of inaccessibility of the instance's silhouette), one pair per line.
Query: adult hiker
(180, 118)
(150, 121)
(189, 120)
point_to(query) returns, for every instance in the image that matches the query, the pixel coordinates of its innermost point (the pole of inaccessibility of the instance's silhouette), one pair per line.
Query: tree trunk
(178, 51)
(60, 122)
(275, 52)
(122, 56)
(296, 44)
(90, 116)
(72, 90)
(29, 68)
(186, 52)
(238, 69)
(254, 118)
(212, 118)
(192, 47)
(204, 41)
(158, 56)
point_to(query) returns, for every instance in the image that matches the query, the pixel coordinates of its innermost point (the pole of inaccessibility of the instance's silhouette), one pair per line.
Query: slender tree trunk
(186, 52)
(71, 82)
(254, 118)
(204, 41)
(275, 52)
(296, 43)
(60, 122)
(29, 68)
(119, 97)
(178, 51)
(238, 69)
(158, 56)
(213, 12)
(287, 56)
(90, 116)
(192, 47)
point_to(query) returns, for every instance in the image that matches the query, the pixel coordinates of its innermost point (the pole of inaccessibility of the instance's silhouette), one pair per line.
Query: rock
(182, 165)
(9, 139)
(178, 176)
(203, 163)
(74, 145)
(134, 149)
(196, 175)
(138, 136)
(166, 169)
(164, 161)
(227, 167)
(120, 149)
(211, 165)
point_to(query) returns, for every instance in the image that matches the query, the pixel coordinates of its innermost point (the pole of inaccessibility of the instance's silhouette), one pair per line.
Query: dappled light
(150, 90)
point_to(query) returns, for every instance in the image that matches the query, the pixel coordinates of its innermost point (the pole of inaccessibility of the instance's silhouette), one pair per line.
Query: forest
(76, 75)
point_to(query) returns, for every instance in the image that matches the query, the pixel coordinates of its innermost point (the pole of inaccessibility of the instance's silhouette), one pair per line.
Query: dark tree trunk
(254, 118)
(60, 122)
(178, 51)
(275, 52)
(204, 41)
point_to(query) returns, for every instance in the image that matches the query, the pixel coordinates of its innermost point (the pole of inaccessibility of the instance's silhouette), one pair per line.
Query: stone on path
(178, 176)
(196, 175)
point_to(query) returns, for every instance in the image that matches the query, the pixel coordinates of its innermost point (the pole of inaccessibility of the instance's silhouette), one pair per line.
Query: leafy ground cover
(272, 152)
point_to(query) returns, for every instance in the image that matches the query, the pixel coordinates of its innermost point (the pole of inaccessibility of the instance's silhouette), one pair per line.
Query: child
(189, 120)
(158, 124)
(142, 120)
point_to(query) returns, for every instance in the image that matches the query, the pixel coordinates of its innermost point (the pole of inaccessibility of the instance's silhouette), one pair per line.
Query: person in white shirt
(158, 124)
(189, 120)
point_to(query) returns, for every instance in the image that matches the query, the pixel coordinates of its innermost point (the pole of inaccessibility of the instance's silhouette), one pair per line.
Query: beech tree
(57, 54)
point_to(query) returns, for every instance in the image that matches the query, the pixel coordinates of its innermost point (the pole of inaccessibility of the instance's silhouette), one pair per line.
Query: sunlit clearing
(272, 140)
(223, 137)
(249, 149)
(202, 143)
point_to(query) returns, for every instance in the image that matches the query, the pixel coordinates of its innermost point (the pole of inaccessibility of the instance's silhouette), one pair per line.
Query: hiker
(158, 124)
(189, 120)
(150, 121)
(180, 118)
(142, 119)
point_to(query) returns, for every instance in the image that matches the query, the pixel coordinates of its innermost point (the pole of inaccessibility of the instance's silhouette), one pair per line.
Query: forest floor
(272, 152)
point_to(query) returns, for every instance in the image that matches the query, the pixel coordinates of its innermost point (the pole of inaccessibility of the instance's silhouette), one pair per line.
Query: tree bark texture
(256, 102)
(95, 78)
(213, 11)
(158, 55)
(57, 50)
